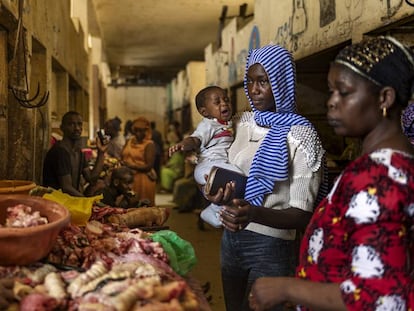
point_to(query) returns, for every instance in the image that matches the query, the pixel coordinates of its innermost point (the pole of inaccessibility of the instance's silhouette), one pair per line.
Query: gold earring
(384, 112)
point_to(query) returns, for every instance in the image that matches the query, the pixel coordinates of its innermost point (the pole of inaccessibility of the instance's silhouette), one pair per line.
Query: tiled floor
(207, 247)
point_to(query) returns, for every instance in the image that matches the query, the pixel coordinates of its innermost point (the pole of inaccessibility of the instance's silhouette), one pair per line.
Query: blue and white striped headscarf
(270, 163)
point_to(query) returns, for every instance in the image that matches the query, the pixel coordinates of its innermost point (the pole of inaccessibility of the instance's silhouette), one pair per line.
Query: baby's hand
(175, 148)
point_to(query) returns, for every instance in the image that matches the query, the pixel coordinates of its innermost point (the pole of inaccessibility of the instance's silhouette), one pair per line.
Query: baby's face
(217, 105)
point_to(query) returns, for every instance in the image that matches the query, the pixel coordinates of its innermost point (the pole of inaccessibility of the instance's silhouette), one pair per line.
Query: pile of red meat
(22, 216)
(102, 267)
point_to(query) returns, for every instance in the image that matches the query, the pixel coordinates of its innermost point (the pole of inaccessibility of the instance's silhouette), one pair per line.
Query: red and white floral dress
(361, 234)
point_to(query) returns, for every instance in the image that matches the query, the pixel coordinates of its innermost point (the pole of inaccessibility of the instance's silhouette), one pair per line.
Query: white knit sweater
(305, 174)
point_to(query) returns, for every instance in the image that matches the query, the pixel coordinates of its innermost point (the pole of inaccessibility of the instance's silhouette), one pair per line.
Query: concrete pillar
(4, 78)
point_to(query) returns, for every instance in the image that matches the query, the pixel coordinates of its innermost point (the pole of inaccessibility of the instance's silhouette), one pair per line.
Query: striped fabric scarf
(270, 163)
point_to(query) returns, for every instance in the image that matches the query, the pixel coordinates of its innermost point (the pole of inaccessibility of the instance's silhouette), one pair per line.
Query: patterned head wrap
(270, 162)
(384, 61)
(142, 123)
(407, 122)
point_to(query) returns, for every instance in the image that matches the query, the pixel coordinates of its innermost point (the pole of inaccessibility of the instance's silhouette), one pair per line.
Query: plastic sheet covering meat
(180, 252)
(80, 208)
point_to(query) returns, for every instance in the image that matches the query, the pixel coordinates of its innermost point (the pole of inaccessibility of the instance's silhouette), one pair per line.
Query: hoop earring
(384, 112)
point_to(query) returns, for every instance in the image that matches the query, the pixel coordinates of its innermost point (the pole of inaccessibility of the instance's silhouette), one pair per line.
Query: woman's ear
(387, 97)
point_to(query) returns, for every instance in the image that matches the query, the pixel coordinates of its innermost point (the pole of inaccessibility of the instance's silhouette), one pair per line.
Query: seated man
(65, 163)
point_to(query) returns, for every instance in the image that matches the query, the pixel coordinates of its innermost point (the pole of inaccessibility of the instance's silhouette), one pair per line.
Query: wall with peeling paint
(304, 27)
(313, 31)
(47, 56)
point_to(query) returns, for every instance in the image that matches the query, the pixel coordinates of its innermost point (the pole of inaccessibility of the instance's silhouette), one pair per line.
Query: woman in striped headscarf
(282, 155)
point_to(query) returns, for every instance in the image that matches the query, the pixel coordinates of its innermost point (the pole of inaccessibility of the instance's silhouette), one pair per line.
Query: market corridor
(207, 247)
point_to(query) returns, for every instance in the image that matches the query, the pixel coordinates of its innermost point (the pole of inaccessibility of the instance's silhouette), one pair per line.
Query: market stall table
(105, 266)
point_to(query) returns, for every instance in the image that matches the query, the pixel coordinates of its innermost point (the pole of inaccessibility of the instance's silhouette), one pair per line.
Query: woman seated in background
(173, 168)
(114, 145)
(173, 134)
(357, 251)
(112, 128)
(171, 171)
(186, 193)
(139, 155)
(127, 130)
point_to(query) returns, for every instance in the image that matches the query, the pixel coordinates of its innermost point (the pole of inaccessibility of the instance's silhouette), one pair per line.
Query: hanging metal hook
(25, 95)
(21, 95)
(27, 103)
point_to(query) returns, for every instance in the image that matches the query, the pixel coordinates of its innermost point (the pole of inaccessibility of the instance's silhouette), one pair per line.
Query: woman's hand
(236, 216)
(223, 196)
(267, 292)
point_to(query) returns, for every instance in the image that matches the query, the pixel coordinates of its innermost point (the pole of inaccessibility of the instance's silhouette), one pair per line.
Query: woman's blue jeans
(246, 256)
